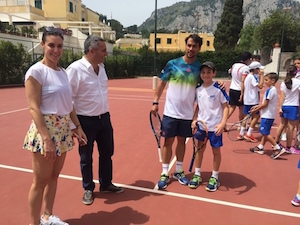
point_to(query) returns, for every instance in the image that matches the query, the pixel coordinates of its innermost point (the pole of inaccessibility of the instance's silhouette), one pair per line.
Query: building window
(169, 41)
(75, 8)
(158, 40)
(21, 2)
(207, 43)
(71, 7)
(38, 4)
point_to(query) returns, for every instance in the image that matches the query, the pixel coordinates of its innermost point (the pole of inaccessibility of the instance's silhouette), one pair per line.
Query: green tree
(246, 36)
(228, 29)
(12, 29)
(270, 32)
(24, 30)
(68, 57)
(14, 62)
(132, 29)
(32, 31)
(118, 27)
(145, 33)
(4, 26)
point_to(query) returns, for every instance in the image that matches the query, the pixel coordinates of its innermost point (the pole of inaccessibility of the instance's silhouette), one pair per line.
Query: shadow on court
(128, 194)
(236, 181)
(230, 181)
(121, 216)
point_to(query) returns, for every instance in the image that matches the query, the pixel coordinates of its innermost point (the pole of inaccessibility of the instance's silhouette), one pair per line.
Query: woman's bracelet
(78, 126)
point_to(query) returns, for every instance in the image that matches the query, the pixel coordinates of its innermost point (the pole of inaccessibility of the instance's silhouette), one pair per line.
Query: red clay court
(254, 188)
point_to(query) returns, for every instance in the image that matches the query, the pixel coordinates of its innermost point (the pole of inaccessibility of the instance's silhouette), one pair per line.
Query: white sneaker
(283, 136)
(53, 220)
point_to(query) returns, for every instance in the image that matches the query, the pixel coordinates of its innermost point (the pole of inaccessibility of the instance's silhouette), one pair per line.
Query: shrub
(14, 63)
(68, 57)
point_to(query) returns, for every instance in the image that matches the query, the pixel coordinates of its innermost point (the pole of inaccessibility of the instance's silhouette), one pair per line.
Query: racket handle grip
(191, 165)
(159, 155)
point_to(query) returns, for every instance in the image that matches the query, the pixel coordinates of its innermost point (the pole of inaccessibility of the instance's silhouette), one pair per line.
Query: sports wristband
(154, 103)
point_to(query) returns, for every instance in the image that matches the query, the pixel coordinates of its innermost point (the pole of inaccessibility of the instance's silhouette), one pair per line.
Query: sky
(128, 12)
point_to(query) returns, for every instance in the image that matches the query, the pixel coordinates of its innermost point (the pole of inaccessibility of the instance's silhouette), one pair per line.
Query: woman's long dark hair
(291, 72)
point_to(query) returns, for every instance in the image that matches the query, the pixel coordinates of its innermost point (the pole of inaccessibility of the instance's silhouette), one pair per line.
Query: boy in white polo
(251, 98)
(213, 109)
(268, 114)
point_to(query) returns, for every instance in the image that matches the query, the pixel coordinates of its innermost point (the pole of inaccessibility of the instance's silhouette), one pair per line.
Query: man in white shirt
(88, 81)
(236, 90)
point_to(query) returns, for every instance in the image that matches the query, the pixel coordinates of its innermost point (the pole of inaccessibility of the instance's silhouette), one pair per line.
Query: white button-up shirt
(89, 90)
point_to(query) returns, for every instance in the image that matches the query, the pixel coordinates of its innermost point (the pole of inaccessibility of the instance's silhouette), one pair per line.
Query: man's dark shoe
(88, 198)
(112, 188)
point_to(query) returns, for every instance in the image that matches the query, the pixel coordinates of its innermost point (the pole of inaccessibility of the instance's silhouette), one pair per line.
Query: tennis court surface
(254, 188)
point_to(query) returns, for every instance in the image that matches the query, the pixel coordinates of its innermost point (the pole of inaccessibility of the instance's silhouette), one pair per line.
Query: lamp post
(155, 50)
(285, 9)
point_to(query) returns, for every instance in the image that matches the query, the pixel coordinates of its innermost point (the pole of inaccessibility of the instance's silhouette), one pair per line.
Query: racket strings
(198, 144)
(156, 124)
(201, 131)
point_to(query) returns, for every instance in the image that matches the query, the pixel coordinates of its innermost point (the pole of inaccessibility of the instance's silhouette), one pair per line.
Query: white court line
(13, 111)
(178, 195)
(171, 164)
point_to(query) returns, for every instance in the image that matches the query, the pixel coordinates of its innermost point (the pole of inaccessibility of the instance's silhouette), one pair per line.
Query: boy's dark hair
(195, 38)
(291, 72)
(245, 56)
(257, 57)
(272, 76)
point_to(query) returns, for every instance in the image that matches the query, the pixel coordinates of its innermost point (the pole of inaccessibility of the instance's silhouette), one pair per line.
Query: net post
(154, 82)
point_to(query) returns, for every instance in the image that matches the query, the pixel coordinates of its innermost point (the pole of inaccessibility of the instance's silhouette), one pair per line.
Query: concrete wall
(285, 61)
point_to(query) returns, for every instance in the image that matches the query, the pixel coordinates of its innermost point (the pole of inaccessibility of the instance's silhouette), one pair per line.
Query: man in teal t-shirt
(182, 75)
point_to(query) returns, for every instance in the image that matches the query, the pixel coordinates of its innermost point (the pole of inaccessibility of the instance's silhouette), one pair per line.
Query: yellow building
(176, 42)
(70, 14)
(21, 10)
(90, 15)
(24, 10)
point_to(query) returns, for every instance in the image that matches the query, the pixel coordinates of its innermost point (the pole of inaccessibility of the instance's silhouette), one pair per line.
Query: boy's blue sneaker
(179, 175)
(213, 184)
(296, 201)
(195, 181)
(164, 180)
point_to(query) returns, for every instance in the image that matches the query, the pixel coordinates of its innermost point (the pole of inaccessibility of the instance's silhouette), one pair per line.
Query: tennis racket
(155, 122)
(197, 144)
(234, 129)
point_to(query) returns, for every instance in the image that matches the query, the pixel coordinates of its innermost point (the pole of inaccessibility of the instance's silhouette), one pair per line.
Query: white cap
(256, 65)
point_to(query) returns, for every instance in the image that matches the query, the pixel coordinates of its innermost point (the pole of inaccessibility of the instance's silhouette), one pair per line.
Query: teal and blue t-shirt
(183, 79)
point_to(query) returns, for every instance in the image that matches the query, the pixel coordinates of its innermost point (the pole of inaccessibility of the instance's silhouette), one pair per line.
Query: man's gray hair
(92, 42)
